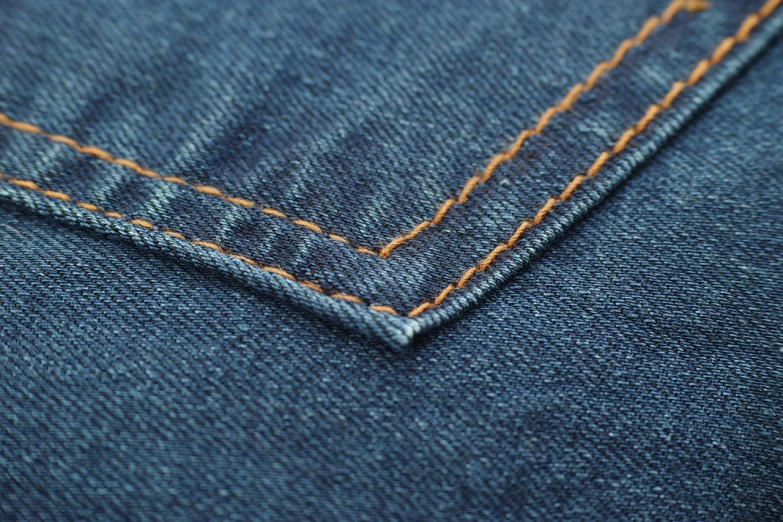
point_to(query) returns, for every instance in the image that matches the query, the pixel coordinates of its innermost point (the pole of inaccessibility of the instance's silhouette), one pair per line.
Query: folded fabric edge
(655, 138)
(395, 332)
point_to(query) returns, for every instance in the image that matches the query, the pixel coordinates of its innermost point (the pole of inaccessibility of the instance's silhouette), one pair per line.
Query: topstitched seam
(565, 104)
(62, 196)
(695, 76)
(149, 173)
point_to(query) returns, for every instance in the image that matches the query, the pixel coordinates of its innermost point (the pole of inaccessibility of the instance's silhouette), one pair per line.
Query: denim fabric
(629, 368)
(268, 129)
(633, 372)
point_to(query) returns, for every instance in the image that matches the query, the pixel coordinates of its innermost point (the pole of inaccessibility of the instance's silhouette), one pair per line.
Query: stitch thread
(149, 173)
(647, 28)
(698, 72)
(62, 196)
(566, 103)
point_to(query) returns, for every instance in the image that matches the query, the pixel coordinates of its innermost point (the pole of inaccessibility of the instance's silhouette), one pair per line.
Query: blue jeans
(301, 260)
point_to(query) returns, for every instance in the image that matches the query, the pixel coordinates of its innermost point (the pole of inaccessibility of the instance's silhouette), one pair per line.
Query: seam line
(695, 76)
(62, 196)
(101, 154)
(385, 251)
(543, 121)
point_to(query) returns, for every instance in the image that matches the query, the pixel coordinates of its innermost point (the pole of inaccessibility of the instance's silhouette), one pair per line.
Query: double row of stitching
(149, 173)
(698, 72)
(143, 223)
(563, 105)
(695, 76)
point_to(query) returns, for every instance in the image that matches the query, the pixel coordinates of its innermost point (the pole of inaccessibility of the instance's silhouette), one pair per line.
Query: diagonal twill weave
(697, 73)
(563, 105)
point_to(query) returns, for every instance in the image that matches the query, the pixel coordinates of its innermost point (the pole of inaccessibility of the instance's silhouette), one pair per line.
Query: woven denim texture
(633, 372)
(360, 117)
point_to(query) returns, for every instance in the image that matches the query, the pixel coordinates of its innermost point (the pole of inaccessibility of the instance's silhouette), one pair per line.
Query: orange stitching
(726, 45)
(382, 308)
(149, 173)
(566, 103)
(647, 28)
(654, 110)
(29, 185)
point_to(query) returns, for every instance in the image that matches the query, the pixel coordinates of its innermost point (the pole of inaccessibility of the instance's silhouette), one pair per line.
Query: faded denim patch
(367, 161)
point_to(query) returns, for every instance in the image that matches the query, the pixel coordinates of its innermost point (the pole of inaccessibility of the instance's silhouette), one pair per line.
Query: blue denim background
(362, 117)
(630, 369)
(633, 372)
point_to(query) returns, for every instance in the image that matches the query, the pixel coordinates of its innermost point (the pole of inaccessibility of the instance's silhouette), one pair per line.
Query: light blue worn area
(633, 371)
(358, 119)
